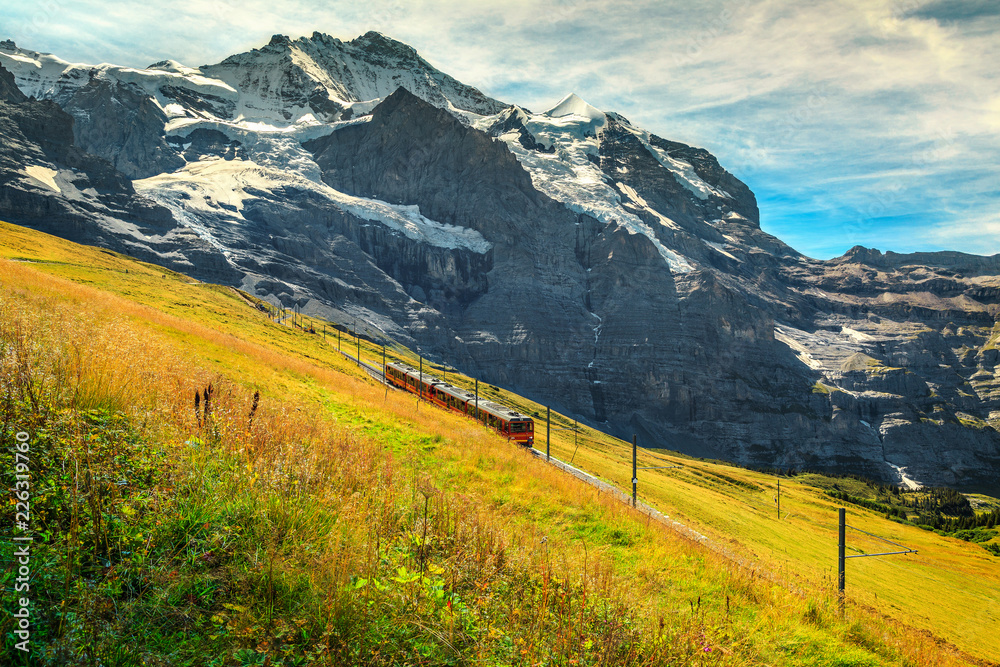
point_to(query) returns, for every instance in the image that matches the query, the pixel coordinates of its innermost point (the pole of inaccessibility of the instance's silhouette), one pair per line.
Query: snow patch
(409, 221)
(722, 249)
(45, 76)
(683, 172)
(572, 129)
(43, 175)
(856, 336)
(174, 110)
(639, 202)
(789, 336)
(220, 188)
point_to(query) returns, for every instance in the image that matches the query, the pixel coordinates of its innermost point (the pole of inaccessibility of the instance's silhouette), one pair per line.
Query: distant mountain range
(565, 253)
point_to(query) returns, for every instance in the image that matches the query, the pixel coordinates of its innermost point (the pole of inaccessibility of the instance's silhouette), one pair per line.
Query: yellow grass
(150, 338)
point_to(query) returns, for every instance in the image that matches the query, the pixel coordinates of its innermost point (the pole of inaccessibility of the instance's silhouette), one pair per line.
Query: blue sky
(864, 122)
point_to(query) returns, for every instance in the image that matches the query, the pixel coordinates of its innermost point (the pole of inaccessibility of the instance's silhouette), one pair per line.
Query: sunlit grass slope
(950, 587)
(298, 513)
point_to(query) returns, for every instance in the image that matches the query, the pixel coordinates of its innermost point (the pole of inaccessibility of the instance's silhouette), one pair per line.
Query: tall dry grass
(389, 533)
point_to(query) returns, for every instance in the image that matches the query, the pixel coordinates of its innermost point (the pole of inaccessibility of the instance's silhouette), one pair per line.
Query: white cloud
(980, 236)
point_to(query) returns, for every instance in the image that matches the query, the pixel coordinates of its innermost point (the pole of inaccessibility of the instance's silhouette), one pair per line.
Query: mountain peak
(379, 43)
(862, 255)
(574, 105)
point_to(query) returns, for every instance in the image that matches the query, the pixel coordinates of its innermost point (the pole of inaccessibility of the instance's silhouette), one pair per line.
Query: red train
(507, 422)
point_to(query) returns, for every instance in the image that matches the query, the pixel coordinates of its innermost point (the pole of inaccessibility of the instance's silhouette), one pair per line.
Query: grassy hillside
(297, 513)
(950, 588)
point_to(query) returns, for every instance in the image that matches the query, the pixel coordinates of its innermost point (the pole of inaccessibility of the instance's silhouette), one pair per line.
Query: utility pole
(779, 499)
(420, 385)
(338, 338)
(358, 338)
(636, 469)
(635, 480)
(477, 399)
(842, 548)
(841, 553)
(548, 415)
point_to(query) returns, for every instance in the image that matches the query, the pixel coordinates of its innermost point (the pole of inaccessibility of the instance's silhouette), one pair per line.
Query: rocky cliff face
(47, 182)
(129, 132)
(614, 274)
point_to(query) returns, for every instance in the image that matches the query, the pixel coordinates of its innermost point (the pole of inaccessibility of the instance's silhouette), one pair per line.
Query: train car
(507, 422)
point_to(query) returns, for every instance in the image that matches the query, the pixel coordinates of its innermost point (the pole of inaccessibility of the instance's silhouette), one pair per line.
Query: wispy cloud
(874, 122)
(982, 232)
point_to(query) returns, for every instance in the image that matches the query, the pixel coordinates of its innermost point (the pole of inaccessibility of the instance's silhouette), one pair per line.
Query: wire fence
(916, 567)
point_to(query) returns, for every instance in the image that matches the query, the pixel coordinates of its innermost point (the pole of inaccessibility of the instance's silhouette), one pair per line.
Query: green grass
(994, 339)
(971, 421)
(346, 524)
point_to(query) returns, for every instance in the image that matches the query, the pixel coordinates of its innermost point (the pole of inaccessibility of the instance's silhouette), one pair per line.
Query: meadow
(210, 487)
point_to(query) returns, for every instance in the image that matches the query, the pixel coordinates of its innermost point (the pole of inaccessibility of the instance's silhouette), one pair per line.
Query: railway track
(376, 373)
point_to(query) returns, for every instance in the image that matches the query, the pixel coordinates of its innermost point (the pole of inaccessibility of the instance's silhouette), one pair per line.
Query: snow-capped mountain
(567, 253)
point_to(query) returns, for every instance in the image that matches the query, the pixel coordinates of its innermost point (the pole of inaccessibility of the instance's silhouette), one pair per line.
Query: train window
(518, 427)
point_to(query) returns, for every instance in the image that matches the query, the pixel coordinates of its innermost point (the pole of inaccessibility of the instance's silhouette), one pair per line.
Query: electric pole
(635, 479)
(548, 416)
